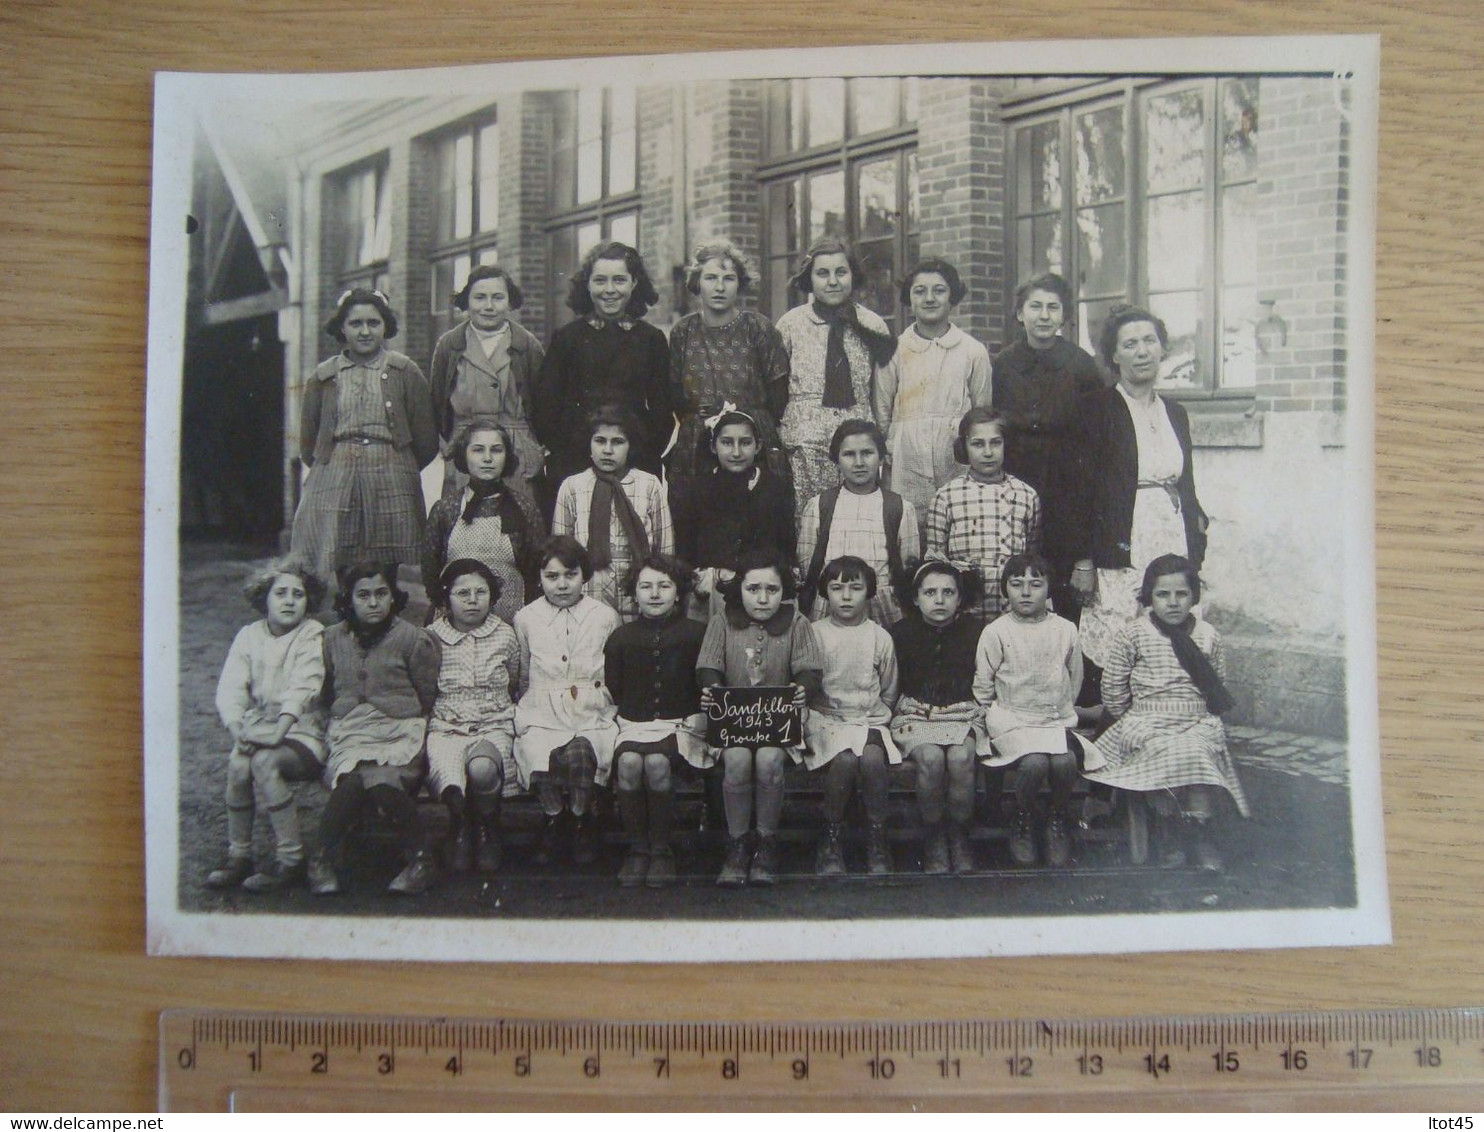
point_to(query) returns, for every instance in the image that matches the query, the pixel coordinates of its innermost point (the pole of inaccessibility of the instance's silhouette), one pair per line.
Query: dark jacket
(718, 519)
(588, 366)
(937, 665)
(526, 356)
(650, 667)
(409, 408)
(1108, 479)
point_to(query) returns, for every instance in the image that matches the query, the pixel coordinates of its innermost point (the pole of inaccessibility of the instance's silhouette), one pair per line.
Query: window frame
(846, 154)
(1062, 106)
(375, 272)
(480, 241)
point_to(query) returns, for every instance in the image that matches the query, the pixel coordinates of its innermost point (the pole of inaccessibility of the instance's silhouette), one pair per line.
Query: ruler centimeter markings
(210, 1060)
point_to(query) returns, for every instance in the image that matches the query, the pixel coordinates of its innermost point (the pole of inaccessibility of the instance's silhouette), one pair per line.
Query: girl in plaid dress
(985, 515)
(366, 432)
(471, 736)
(1163, 685)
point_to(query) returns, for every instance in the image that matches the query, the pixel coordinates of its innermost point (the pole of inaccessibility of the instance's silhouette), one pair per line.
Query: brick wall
(1302, 215)
(661, 194)
(725, 121)
(961, 175)
(525, 141)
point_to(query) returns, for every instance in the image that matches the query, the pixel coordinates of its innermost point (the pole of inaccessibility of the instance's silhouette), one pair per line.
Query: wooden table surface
(80, 998)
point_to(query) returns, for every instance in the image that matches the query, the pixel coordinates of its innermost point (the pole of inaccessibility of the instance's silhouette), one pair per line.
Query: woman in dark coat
(607, 355)
(1040, 381)
(1136, 487)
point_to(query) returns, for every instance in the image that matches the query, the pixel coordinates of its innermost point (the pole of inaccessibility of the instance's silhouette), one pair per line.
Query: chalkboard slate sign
(753, 718)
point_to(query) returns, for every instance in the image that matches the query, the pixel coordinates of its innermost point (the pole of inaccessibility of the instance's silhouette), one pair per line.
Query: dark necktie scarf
(481, 491)
(1197, 664)
(839, 391)
(608, 498)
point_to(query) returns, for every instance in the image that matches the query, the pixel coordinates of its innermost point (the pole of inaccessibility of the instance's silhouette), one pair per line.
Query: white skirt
(689, 733)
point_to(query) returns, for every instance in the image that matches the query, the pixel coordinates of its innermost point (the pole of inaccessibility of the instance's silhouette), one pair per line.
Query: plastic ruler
(1402, 1060)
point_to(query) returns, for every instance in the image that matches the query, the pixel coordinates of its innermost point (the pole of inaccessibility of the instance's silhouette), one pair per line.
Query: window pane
(623, 149)
(625, 228)
(381, 244)
(463, 186)
(1102, 261)
(1090, 317)
(780, 295)
(489, 178)
(827, 204)
(1038, 246)
(825, 99)
(488, 255)
(781, 136)
(876, 199)
(1174, 141)
(783, 217)
(589, 144)
(879, 292)
(461, 265)
(563, 264)
(1238, 129)
(1038, 167)
(1239, 315)
(1176, 241)
(1239, 234)
(1181, 313)
(875, 104)
(442, 284)
(1100, 162)
(587, 236)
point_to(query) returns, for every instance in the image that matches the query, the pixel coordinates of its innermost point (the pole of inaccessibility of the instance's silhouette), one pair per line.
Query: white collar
(945, 341)
(444, 629)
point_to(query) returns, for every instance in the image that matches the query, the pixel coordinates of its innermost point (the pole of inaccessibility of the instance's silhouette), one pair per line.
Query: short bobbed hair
(359, 572)
(644, 296)
(956, 288)
(978, 415)
(857, 427)
(846, 568)
(462, 566)
(261, 580)
(569, 552)
(1119, 317)
(725, 251)
(759, 558)
(828, 245)
(361, 296)
(968, 579)
(1050, 282)
(479, 275)
(612, 415)
(461, 439)
(1169, 564)
(1018, 565)
(666, 564)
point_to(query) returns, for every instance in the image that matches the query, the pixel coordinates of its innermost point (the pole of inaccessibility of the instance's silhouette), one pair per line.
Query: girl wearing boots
(381, 678)
(937, 723)
(564, 729)
(847, 733)
(761, 641)
(269, 699)
(1163, 685)
(471, 737)
(1027, 675)
(651, 670)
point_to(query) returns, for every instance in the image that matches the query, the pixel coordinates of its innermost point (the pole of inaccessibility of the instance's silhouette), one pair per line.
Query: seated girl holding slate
(761, 641)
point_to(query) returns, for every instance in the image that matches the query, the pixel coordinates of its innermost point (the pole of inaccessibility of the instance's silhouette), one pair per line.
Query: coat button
(564, 660)
(388, 404)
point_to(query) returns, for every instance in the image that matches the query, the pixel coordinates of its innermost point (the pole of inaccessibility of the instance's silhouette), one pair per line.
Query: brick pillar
(1303, 204)
(525, 141)
(411, 173)
(724, 123)
(662, 141)
(961, 178)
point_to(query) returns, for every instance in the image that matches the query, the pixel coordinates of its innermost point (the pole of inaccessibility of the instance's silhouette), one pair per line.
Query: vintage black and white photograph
(851, 503)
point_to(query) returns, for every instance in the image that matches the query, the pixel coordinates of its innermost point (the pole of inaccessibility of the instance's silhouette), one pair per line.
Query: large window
(362, 226)
(842, 161)
(465, 213)
(1147, 193)
(593, 188)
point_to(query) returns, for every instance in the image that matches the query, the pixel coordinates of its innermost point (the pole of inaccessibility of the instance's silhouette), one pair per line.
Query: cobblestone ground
(1293, 853)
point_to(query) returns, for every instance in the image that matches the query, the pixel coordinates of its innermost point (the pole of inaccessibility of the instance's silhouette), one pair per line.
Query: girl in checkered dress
(1163, 685)
(471, 736)
(985, 515)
